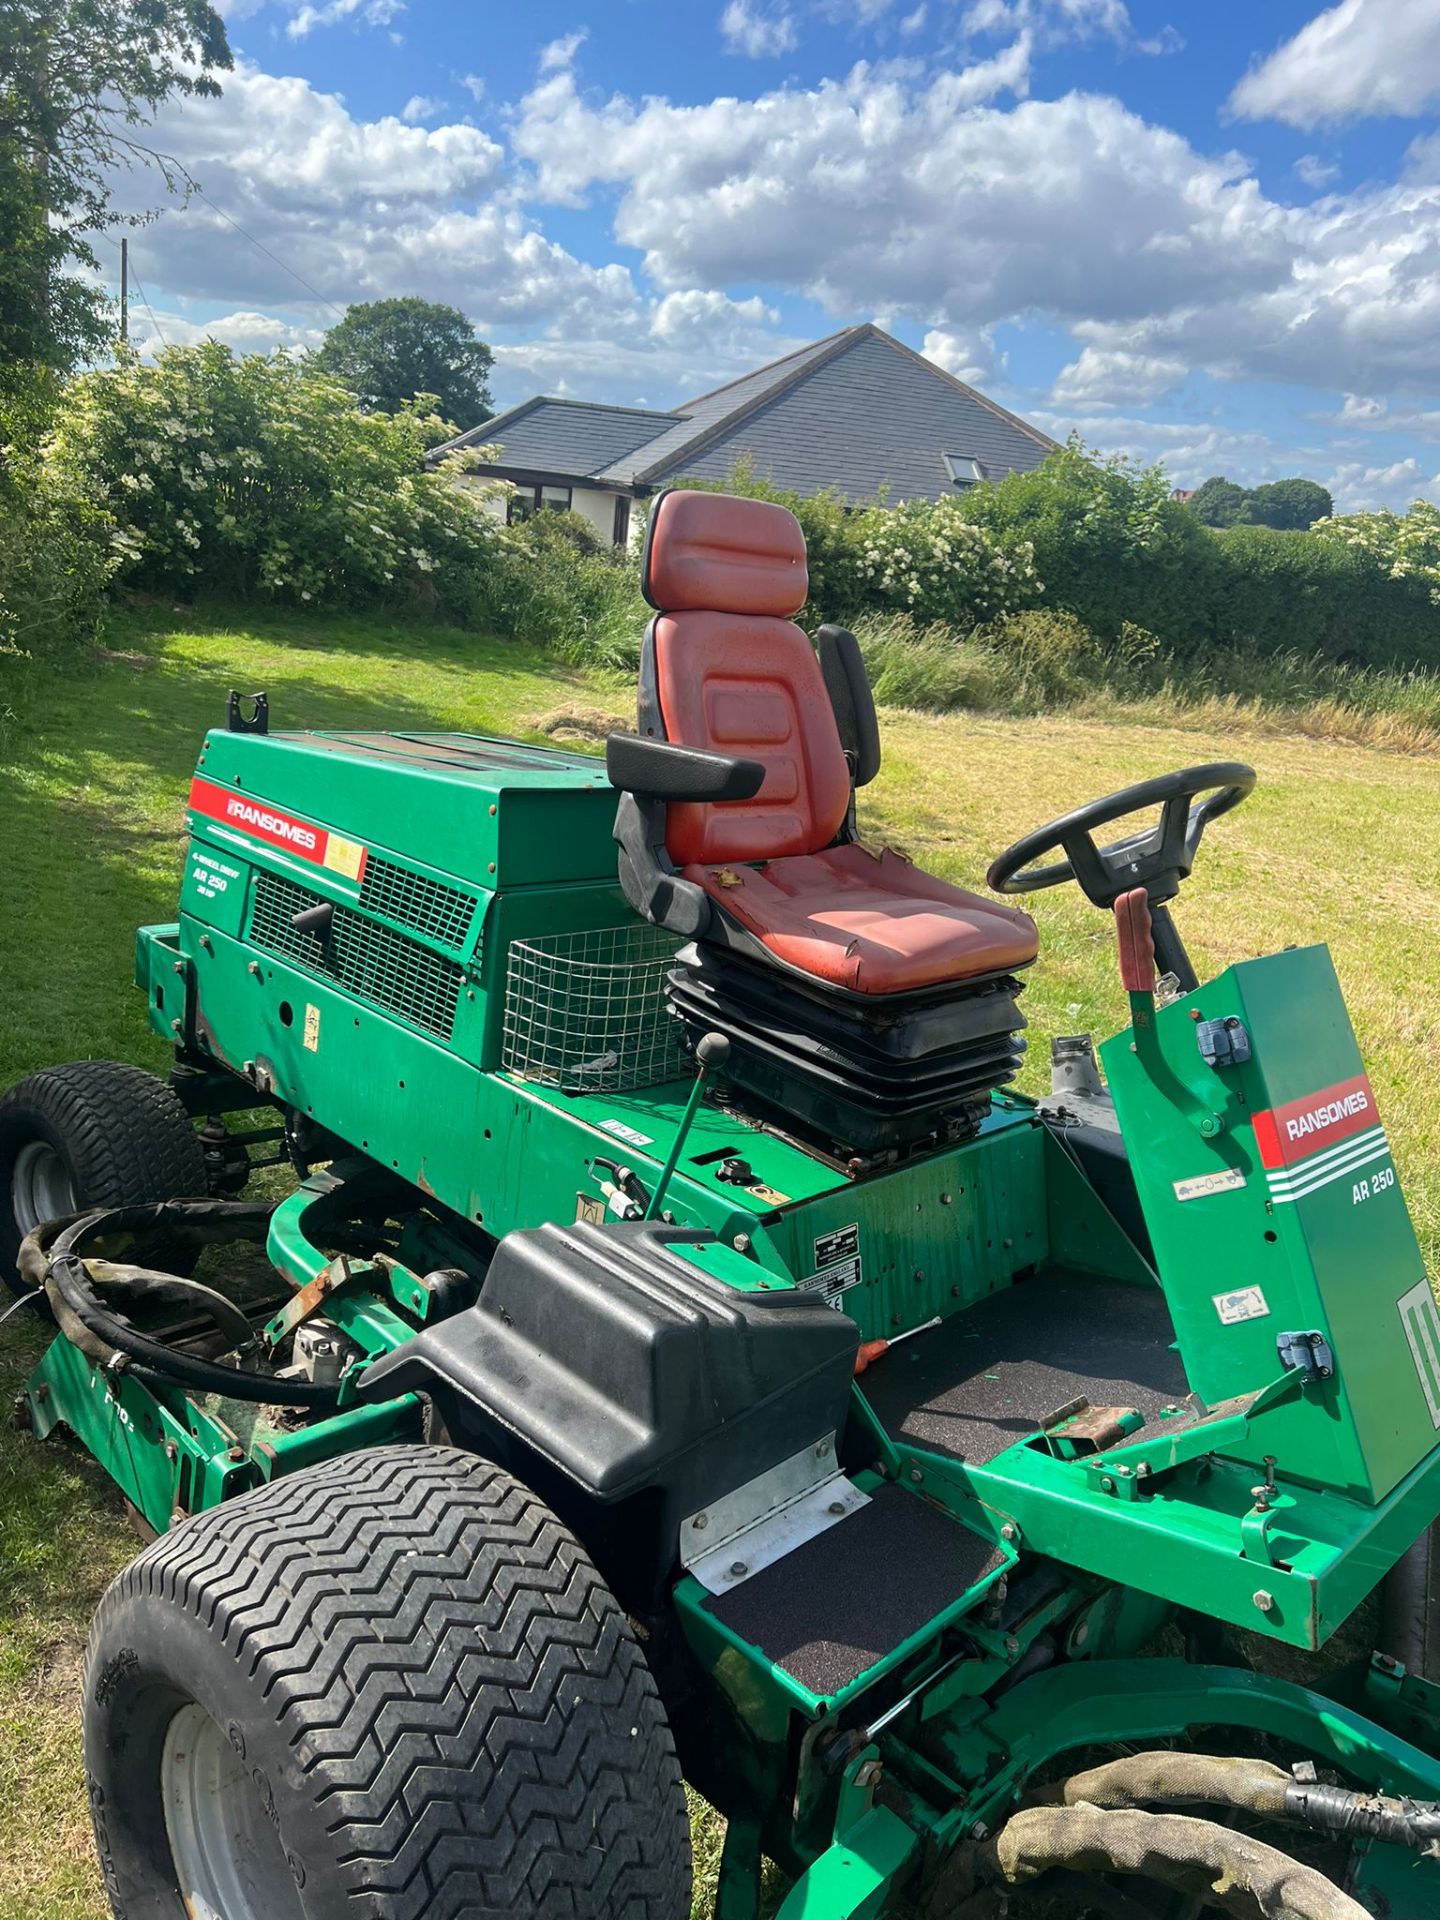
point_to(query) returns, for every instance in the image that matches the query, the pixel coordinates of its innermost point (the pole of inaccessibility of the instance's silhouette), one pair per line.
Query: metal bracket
(256, 720)
(1310, 1353)
(1223, 1043)
(742, 1533)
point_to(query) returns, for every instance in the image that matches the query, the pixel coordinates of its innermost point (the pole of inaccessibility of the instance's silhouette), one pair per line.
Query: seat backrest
(726, 669)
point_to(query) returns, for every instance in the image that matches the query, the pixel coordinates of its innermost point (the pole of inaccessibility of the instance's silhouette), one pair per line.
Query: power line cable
(260, 247)
(144, 301)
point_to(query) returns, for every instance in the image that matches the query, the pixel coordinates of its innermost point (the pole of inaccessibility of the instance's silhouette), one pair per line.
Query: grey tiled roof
(564, 436)
(872, 417)
(858, 412)
(695, 419)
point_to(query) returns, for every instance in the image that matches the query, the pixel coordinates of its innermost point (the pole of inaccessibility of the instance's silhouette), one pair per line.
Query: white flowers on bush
(923, 557)
(1406, 546)
(244, 473)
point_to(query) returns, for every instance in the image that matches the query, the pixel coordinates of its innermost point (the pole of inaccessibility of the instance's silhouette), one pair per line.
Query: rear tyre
(95, 1133)
(1410, 1607)
(392, 1687)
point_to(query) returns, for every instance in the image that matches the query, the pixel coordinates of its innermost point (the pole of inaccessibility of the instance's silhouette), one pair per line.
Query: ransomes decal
(1324, 1137)
(274, 828)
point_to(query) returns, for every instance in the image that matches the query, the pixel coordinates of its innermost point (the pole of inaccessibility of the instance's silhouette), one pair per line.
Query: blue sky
(1206, 234)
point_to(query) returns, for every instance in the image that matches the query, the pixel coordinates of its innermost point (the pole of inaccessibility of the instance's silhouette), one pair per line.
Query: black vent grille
(441, 913)
(367, 960)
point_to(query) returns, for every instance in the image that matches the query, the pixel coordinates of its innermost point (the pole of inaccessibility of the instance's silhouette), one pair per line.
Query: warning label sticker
(837, 1264)
(1245, 1303)
(1203, 1184)
(629, 1135)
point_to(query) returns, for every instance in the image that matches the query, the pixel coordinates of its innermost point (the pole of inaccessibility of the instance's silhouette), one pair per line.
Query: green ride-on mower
(569, 1441)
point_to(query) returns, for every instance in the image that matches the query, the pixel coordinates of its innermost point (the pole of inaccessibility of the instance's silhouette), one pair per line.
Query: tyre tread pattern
(466, 1710)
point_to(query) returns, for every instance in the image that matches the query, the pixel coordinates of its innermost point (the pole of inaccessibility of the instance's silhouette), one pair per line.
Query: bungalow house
(856, 413)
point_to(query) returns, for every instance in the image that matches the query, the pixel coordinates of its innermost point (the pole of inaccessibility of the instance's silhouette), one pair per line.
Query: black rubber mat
(990, 1375)
(841, 1602)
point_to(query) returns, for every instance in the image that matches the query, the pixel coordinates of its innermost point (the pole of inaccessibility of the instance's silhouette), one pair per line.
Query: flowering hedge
(1403, 546)
(925, 558)
(247, 474)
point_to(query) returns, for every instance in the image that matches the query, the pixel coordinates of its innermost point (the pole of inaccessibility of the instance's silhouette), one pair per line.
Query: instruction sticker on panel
(1245, 1303)
(1204, 1184)
(312, 1029)
(837, 1264)
(630, 1135)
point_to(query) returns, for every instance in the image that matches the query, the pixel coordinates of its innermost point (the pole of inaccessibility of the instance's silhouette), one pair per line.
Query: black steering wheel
(1158, 858)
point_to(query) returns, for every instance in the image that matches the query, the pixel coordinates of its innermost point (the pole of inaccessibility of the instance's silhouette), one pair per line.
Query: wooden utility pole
(125, 292)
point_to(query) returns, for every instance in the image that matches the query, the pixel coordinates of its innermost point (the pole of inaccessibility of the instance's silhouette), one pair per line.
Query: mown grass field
(1339, 843)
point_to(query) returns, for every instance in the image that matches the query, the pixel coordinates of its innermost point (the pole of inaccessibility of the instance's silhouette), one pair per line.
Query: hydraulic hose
(52, 1258)
(1178, 1779)
(1196, 1857)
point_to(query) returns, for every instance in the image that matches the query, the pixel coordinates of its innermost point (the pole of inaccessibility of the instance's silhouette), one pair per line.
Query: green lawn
(1338, 844)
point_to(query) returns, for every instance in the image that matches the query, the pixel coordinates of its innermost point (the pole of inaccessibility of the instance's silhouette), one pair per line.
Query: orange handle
(870, 1350)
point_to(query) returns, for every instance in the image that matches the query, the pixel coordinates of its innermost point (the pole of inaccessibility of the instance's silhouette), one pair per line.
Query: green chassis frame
(861, 1795)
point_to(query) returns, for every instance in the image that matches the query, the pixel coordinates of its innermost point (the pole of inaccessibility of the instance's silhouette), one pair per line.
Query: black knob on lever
(713, 1050)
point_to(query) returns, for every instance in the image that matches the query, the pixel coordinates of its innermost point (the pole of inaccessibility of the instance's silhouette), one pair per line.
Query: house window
(963, 468)
(525, 501)
(620, 531)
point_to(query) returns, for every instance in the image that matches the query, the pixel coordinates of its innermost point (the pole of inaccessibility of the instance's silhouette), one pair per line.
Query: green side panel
(1246, 1251)
(930, 1237)
(492, 812)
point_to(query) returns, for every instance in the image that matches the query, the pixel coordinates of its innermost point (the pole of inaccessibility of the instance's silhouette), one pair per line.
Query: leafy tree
(1288, 505)
(1218, 502)
(388, 351)
(80, 81)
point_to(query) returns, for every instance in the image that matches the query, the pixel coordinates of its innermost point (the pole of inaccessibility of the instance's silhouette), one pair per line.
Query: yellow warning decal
(345, 856)
(312, 1029)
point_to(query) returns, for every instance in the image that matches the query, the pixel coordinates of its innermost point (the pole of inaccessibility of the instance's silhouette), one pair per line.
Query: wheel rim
(229, 1863)
(41, 1188)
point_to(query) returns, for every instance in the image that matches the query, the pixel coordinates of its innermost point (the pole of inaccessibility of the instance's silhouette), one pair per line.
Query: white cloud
(559, 55)
(1116, 378)
(1360, 58)
(420, 106)
(246, 332)
(473, 85)
(760, 32)
(969, 356)
(1052, 21)
(913, 22)
(373, 13)
(1354, 486)
(922, 195)
(1314, 171)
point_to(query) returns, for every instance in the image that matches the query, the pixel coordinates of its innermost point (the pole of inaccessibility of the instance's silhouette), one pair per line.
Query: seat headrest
(711, 552)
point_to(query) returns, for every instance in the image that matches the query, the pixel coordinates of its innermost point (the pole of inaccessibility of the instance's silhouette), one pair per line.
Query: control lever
(711, 1055)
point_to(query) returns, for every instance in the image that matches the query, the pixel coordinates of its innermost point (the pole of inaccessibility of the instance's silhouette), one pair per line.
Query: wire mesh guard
(586, 1011)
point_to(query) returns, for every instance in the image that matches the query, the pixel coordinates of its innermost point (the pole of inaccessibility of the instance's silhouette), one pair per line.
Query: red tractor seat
(870, 923)
(868, 1006)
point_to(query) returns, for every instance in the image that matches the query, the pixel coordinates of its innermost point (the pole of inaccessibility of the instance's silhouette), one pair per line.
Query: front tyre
(392, 1687)
(96, 1133)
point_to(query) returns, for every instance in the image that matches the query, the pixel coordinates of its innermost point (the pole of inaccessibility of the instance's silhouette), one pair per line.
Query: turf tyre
(121, 1136)
(439, 1703)
(1410, 1608)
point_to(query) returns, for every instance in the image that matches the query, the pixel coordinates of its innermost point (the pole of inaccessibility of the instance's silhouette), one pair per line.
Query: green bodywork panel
(1325, 1244)
(445, 859)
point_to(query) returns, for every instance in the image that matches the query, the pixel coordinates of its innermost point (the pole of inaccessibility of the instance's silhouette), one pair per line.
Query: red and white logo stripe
(1330, 1135)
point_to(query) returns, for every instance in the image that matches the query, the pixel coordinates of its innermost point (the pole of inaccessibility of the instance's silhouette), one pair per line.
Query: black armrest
(663, 770)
